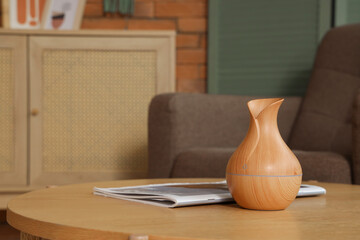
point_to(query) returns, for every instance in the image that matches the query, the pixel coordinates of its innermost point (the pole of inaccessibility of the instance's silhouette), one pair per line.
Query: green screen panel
(264, 47)
(347, 12)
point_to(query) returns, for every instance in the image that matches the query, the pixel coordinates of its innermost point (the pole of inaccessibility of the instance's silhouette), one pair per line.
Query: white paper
(184, 194)
(66, 7)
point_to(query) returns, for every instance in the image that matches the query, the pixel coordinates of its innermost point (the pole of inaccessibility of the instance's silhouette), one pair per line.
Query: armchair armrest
(180, 121)
(356, 141)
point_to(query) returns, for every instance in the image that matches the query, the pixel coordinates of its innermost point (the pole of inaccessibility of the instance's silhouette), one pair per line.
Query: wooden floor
(6, 231)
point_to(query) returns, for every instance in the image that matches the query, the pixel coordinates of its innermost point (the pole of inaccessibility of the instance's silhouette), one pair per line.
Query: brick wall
(187, 17)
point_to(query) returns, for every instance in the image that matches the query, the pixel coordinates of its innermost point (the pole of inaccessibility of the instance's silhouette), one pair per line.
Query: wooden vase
(263, 173)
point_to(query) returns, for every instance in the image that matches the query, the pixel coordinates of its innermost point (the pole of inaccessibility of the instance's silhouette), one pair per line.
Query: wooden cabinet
(13, 102)
(74, 104)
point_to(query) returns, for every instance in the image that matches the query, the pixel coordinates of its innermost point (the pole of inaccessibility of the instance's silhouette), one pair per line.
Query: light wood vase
(263, 173)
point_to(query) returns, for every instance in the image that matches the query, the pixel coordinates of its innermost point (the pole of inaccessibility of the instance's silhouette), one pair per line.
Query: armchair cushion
(202, 163)
(324, 122)
(211, 162)
(324, 166)
(180, 121)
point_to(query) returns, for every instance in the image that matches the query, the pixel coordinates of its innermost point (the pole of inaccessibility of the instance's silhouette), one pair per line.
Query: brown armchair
(194, 135)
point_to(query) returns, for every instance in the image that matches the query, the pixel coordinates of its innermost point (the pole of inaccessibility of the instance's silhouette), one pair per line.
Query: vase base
(258, 192)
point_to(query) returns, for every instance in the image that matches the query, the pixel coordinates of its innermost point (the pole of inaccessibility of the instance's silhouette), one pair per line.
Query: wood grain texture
(27, 236)
(263, 173)
(73, 212)
(8, 193)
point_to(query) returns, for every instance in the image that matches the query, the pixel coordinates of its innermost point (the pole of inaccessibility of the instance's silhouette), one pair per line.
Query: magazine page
(185, 194)
(171, 194)
(157, 201)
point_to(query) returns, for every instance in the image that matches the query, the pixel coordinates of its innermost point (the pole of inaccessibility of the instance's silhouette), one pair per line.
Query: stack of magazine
(185, 194)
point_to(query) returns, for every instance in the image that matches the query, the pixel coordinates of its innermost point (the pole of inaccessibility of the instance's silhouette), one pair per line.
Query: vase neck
(264, 114)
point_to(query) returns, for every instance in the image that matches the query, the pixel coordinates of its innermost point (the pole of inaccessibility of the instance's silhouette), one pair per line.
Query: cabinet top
(92, 33)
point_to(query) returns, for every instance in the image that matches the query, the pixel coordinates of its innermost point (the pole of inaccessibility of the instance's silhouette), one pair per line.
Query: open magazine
(185, 194)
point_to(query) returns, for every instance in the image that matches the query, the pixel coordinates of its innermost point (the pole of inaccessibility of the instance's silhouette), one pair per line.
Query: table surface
(73, 212)
(8, 193)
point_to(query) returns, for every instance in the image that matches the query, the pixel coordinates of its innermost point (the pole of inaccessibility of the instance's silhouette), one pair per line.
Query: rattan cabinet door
(13, 112)
(91, 97)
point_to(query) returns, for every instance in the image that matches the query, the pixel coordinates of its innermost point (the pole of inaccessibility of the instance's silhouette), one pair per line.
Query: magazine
(185, 194)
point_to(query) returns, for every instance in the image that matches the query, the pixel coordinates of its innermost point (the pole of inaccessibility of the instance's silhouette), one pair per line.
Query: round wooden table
(73, 212)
